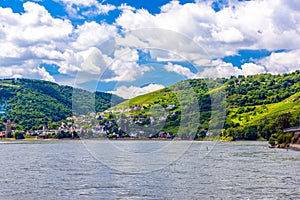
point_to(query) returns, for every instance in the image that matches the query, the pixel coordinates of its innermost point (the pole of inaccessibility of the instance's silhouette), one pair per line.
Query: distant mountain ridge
(31, 103)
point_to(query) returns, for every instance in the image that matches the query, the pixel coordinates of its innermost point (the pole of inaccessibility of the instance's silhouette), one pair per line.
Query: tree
(272, 141)
(18, 135)
(251, 133)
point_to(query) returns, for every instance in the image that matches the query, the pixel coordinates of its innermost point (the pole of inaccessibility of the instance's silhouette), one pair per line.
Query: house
(169, 135)
(163, 118)
(163, 135)
(2, 134)
(296, 134)
(295, 130)
(142, 117)
(131, 116)
(171, 106)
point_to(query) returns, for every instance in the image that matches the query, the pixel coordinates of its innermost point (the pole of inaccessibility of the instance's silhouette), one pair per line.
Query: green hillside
(255, 106)
(32, 103)
(186, 104)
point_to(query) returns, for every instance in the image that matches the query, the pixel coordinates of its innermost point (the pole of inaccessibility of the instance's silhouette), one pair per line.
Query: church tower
(8, 127)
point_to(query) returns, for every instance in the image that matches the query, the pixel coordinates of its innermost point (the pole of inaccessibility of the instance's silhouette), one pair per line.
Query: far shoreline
(128, 139)
(295, 147)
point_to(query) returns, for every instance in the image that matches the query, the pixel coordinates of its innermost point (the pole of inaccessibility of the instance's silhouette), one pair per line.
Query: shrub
(19, 135)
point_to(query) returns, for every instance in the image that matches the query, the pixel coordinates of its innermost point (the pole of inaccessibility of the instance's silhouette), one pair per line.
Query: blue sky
(95, 44)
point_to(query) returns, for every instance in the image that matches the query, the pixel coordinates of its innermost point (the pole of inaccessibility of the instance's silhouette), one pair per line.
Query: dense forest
(30, 104)
(255, 107)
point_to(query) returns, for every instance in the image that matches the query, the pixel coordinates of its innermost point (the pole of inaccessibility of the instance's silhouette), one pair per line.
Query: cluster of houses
(98, 125)
(134, 108)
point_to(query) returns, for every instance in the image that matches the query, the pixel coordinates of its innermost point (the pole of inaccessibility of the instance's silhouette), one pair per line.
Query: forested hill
(257, 106)
(32, 103)
(262, 106)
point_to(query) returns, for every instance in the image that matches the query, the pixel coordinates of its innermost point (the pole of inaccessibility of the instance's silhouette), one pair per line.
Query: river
(198, 170)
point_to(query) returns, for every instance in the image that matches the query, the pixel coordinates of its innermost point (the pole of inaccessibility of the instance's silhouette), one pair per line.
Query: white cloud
(19, 71)
(220, 68)
(36, 24)
(230, 35)
(33, 37)
(217, 69)
(164, 44)
(130, 19)
(184, 71)
(282, 62)
(263, 24)
(251, 69)
(29, 39)
(86, 3)
(92, 34)
(133, 91)
(73, 7)
(94, 62)
(125, 65)
(70, 63)
(100, 9)
(165, 56)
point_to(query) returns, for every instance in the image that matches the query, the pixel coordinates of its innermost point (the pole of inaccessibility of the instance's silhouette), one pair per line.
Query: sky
(133, 47)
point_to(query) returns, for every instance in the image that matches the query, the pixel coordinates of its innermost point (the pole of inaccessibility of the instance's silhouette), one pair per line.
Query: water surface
(68, 170)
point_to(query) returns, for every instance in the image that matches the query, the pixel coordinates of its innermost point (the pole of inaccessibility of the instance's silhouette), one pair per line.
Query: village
(97, 125)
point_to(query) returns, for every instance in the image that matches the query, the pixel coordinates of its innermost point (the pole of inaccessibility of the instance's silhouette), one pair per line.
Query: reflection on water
(66, 170)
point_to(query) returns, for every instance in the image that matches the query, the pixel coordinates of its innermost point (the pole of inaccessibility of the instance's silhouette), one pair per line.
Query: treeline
(261, 89)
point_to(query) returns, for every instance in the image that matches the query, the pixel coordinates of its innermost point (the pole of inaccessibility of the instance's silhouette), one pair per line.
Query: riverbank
(295, 147)
(7, 139)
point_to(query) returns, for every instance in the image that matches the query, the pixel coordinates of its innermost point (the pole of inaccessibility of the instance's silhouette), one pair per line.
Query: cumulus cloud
(219, 68)
(251, 69)
(73, 7)
(29, 39)
(241, 25)
(190, 32)
(92, 34)
(34, 25)
(79, 2)
(35, 37)
(216, 69)
(133, 91)
(184, 71)
(164, 44)
(20, 72)
(95, 61)
(230, 35)
(125, 65)
(282, 62)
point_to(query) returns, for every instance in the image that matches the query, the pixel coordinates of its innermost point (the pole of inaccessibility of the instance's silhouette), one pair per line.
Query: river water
(204, 170)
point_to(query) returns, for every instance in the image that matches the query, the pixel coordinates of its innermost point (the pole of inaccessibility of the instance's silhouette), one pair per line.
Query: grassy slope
(290, 104)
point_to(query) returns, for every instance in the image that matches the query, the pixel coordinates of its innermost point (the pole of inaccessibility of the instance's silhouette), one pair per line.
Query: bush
(284, 138)
(272, 141)
(251, 133)
(19, 135)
